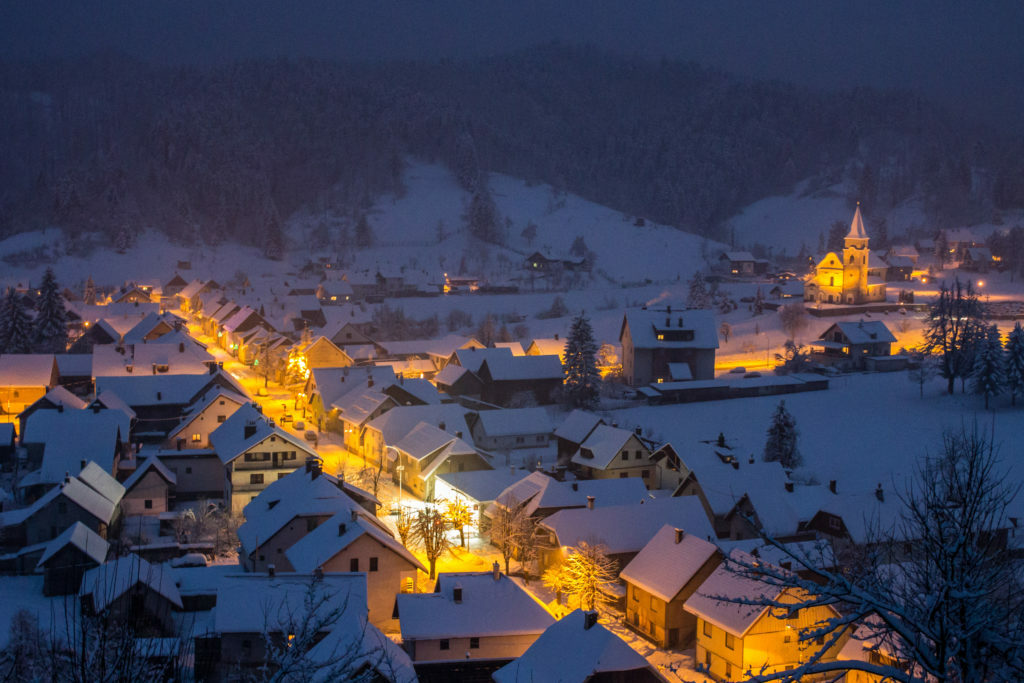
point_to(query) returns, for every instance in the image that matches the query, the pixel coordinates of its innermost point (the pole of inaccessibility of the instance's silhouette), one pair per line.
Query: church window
(851, 258)
(832, 282)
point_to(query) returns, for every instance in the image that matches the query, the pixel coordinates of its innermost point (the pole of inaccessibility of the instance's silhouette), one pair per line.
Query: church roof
(857, 227)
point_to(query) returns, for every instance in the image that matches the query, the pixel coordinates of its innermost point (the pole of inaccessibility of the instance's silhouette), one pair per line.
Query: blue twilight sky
(968, 55)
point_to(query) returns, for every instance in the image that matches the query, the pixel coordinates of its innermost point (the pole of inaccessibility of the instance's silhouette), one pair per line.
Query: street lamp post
(400, 469)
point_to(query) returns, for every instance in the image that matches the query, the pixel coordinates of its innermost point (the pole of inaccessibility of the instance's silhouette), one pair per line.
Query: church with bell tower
(844, 279)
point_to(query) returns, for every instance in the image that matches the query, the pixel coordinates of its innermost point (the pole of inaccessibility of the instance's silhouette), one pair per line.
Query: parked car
(310, 435)
(738, 371)
(287, 417)
(299, 425)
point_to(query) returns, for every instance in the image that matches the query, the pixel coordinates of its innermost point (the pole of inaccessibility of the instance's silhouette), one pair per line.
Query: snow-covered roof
(482, 485)
(601, 447)
(337, 533)
(154, 390)
(680, 372)
(74, 364)
(520, 368)
(864, 332)
(444, 347)
(816, 553)
(424, 439)
(725, 474)
(453, 448)
(399, 421)
(472, 358)
(299, 484)
(232, 437)
(110, 581)
(450, 374)
(645, 326)
(153, 358)
(73, 436)
(410, 367)
(59, 396)
(541, 492)
(628, 528)
(897, 261)
(429, 616)
(100, 481)
(333, 383)
(359, 404)
(421, 389)
(515, 422)
(137, 334)
(191, 289)
(577, 426)
(150, 463)
(27, 370)
(726, 582)
(215, 394)
(78, 536)
(960, 235)
(857, 226)
(571, 652)
(111, 401)
(361, 647)
(515, 347)
(665, 565)
(264, 604)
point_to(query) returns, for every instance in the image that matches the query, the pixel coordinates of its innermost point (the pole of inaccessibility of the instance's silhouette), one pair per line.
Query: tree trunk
(950, 387)
(462, 537)
(507, 558)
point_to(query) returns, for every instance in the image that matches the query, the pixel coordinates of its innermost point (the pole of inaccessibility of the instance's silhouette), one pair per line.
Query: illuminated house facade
(845, 279)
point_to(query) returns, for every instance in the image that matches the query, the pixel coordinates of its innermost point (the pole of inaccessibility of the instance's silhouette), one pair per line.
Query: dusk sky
(966, 55)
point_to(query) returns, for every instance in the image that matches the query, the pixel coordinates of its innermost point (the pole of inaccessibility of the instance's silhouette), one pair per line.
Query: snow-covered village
(551, 362)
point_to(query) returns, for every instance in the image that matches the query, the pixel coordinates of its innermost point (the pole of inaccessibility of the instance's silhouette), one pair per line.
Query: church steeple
(857, 226)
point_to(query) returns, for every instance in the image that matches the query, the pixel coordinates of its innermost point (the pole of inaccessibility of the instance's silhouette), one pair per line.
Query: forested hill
(229, 152)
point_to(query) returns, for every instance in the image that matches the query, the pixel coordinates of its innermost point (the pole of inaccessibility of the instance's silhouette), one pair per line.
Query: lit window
(197, 437)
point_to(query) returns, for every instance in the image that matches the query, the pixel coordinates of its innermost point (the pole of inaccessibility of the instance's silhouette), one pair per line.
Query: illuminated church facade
(844, 279)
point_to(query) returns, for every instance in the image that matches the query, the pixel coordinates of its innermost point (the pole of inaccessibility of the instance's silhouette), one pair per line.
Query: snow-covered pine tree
(698, 296)
(1015, 363)
(122, 240)
(782, 437)
(15, 325)
(50, 334)
(482, 217)
(989, 377)
(582, 378)
(363, 234)
(89, 295)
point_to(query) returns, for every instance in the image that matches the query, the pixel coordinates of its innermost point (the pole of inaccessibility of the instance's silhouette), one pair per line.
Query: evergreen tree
(363, 234)
(698, 296)
(273, 239)
(989, 376)
(122, 240)
(482, 217)
(758, 306)
(51, 330)
(782, 437)
(582, 378)
(1014, 363)
(89, 295)
(15, 325)
(579, 247)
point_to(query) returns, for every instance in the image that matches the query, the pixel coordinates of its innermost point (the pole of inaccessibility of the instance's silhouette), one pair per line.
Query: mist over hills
(229, 152)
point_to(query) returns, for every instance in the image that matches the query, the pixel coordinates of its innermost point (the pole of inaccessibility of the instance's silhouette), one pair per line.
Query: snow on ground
(26, 592)
(864, 430)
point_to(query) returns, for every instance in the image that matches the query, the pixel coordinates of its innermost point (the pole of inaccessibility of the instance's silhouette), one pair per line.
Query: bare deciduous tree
(430, 532)
(589, 574)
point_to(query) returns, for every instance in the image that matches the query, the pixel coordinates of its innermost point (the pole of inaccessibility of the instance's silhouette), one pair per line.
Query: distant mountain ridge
(229, 152)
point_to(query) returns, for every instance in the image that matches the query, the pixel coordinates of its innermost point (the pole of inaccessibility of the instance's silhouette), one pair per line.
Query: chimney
(575, 486)
(159, 396)
(154, 368)
(638, 431)
(496, 570)
(679, 535)
(590, 502)
(67, 477)
(355, 515)
(680, 322)
(735, 463)
(316, 468)
(213, 367)
(556, 336)
(879, 493)
(668, 322)
(181, 347)
(457, 593)
(751, 461)
(60, 407)
(441, 426)
(271, 570)
(96, 406)
(342, 527)
(82, 464)
(250, 430)
(309, 465)
(318, 573)
(369, 382)
(458, 435)
(789, 486)
(832, 485)
(589, 620)
(128, 368)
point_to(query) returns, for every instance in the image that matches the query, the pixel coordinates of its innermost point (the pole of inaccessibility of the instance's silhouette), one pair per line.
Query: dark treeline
(108, 143)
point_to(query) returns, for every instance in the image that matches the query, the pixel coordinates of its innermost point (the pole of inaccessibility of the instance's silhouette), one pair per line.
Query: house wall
(272, 550)
(620, 468)
(50, 522)
(325, 355)
(718, 660)
(382, 585)
(273, 458)
(509, 442)
(151, 487)
(204, 424)
(491, 647)
(509, 393)
(64, 570)
(14, 400)
(198, 476)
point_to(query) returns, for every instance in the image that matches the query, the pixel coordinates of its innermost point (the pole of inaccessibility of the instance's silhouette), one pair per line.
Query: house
(907, 251)
(554, 346)
(514, 381)
(350, 541)
(577, 649)
(131, 294)
(854, 342)
(741, 263)
(57, 398)
(456, 380)
(24, 379)
(653, 338)
(353, 410)
(254, 453)
(542, 495)
(305, 606)
(325, 386)
(61, 442)
(539, 262)
(611, 452)
(203, 417)
(956, 242)
(413, 392)
(355, 649)
(476, 488)
(323, 353)
(510, 428)
(871, 644)
(515, 347)
(901, 268)
(623, 530)
(130, 590)
(6, 446)
(67, 557)
(150, 489)
(660, 579)
(733, 638)
(173, 287)
(75, 372)
(845, 279)
(977, 259)
(151, 328)
(292, 507)
(573, 431)
(152, 358)
(426, 451)
(457, 621)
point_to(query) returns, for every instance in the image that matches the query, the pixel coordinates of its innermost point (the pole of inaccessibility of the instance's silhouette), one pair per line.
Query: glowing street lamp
(400, 469)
